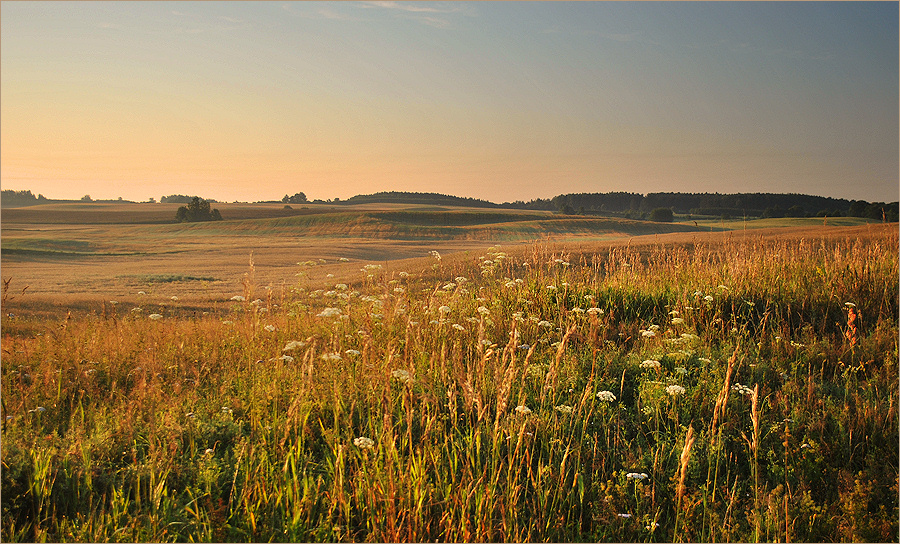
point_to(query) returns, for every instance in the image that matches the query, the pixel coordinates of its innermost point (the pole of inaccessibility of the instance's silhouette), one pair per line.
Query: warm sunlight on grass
(667, 392)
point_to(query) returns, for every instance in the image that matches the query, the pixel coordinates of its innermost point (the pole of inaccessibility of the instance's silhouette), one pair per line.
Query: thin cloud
(407, 6)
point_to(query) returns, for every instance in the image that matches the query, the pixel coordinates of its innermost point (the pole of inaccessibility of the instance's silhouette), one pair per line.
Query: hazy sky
(502, 101)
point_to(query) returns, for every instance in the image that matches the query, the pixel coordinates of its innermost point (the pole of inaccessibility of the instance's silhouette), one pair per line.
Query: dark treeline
(182, 199)
(621, 204)
(431, 199)
(15, 199)
(711, 204)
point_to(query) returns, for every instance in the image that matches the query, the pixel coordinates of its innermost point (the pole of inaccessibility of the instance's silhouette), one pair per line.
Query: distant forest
(711, 204)
(620, 204)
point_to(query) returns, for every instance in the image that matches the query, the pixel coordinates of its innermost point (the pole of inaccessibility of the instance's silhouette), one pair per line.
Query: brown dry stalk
(550, 380)
(722, 400)
(685, 458)
(854, 326)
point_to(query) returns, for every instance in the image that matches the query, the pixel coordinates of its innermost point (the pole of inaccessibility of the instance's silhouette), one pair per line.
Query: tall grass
(461, 404)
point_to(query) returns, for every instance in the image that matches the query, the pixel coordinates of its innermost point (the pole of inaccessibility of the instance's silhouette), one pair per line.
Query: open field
(77, 252)
(616, 381)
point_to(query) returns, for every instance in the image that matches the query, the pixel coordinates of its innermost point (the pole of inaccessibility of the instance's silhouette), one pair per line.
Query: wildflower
(371, 267)
(284, 358)
(652, 526)
(459, 327)
(742, 389)
(552, 288)
(435, 254)
(257, 302)
(653, 328)
(352, 352)
(850, 305)
(483, 310)
(155, 317)
(578, 310)
(625, 516)
(270, 328)
(680, 370)
(238, 298)
(330, 357)
(675, 390)
(650, 363)
(226, 410)
(403, 275)
(364, 443)
(141, 293)
(173, 297)
(524, 347)
(595, 311)
(708, 298)
(137, 310)
(564, 409)
(606, 396)
(704, 360)
(545, 324)
(209, 451)
(344, 260)
(402, 375)
(677, 321)
(329, 312)
(522, 409)
(460, 279)
(637, 476)
(648, 334)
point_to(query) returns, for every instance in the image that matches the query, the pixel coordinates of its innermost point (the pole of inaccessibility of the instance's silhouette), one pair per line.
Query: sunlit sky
(502, 101)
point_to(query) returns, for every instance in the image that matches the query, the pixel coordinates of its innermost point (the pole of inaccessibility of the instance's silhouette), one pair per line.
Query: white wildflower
(238, 298)
(650, 363)
(677, 321)
(675, 390)
(329, 312)
(606, 396)
(352, 352)
(402, 375)
(363, 442)
(564, 409)
(155, 317)
(331, 357)
(522, 409)
(637, 476)
(270, 328)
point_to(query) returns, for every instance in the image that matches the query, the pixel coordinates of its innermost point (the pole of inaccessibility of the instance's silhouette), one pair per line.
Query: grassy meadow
(713, 387)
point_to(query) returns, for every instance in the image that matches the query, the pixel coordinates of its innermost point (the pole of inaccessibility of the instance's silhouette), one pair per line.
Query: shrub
(662, 215)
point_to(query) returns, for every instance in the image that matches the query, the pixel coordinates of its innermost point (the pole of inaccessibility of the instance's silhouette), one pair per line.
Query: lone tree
(662, 215)
(197, 210)
(298, 198)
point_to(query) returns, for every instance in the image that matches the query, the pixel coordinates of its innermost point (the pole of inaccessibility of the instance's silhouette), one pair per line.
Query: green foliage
(461, 403)
(298, 198)
(662, 215)
(197, 210)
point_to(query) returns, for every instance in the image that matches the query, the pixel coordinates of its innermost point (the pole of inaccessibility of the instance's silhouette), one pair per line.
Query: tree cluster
(14, 199)
(181, 199)
(197, 210)
(298, 198)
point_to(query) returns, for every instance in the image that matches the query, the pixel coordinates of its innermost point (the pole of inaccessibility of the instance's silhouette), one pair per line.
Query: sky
(504, 101)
